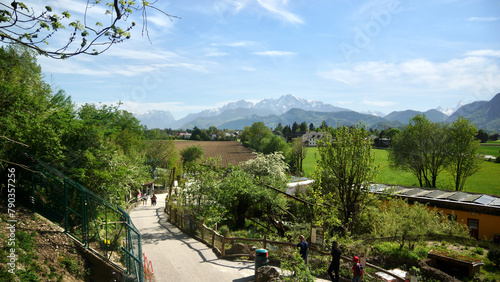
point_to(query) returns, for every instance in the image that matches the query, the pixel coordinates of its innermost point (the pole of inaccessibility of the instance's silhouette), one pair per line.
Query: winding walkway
(180, 258)
(177, 257)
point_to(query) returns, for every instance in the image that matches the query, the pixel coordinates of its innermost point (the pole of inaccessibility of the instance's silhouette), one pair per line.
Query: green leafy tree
(465, 159)
(191, 154)
(160, 154)
(21, 24)
(254, 135)
(32, 118)
(422, 148)
(408, 223)
(245, 188)
(202, 188)
(345, 167)
(299, 150)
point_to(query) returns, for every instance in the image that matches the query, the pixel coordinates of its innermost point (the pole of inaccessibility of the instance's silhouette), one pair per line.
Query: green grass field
(492, 149)
(486, 181)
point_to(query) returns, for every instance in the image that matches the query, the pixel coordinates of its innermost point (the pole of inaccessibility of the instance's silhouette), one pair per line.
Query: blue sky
(362, 55)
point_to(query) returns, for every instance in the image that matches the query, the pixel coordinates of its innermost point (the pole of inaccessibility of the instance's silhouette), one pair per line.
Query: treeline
(210, 134)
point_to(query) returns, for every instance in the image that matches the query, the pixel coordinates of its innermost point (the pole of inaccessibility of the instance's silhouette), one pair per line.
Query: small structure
(445, 258)
(480, 212)
(299, 186)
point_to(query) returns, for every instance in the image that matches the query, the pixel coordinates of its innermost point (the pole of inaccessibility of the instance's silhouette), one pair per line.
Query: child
(357, 270)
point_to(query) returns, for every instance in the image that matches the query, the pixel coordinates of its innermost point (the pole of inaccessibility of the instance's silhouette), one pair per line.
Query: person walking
(357, 270)
(335, 264)
(303, 248)
(153, 200)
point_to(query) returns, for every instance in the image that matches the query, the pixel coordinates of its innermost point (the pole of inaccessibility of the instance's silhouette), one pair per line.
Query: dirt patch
(43, 251)
(230, 152)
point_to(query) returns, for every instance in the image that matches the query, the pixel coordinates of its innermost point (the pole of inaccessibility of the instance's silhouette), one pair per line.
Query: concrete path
(179, 258)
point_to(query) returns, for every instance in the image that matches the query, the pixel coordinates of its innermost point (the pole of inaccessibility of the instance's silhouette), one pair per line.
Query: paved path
(177, 257)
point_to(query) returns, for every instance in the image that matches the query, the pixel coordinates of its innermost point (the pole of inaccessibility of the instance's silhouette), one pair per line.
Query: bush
(494, 256)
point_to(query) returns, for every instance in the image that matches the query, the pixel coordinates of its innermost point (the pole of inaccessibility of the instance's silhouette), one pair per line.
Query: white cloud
(275, 53)
(482, 19)
(466, 74)
(215, 54)
(484, 53)
(277, 7)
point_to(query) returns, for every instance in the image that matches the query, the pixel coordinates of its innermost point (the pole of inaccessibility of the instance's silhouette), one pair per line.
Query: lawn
(492, 149)
(485, 181)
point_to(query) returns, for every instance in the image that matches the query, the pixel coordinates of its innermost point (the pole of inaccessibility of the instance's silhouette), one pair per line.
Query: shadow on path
(176, 234)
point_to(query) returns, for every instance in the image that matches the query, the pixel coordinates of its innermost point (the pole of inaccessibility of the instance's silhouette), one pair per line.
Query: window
(473, 225)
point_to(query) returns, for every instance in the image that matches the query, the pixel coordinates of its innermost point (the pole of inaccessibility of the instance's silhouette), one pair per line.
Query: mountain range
(289, 109)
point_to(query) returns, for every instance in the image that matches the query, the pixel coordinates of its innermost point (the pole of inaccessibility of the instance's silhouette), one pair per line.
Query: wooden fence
(219, 243)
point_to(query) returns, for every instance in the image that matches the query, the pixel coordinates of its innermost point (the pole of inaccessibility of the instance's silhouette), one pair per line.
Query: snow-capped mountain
(156, 119)
(288, 102)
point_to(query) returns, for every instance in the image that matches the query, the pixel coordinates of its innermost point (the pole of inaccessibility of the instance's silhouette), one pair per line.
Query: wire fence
(97, 224)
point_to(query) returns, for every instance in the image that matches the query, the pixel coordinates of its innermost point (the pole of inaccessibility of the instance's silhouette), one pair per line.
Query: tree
(299, 150)
(23, 25)
(252, 136)
(345, 167)
(279, 128)
(465, 159)
(482, 135)
(295, 127)
(311, 127)
(32, 118)
(160, 154)
(323, 125)
(246, 188)
(421, 148)
(407, 223)
(191, 154)
(303, 127)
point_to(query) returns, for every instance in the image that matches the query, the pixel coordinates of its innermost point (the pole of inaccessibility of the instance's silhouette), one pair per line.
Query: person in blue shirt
(303, 248)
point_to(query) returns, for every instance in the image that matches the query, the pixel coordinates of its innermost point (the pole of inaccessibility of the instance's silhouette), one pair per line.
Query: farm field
(231, 152)
(485, 181)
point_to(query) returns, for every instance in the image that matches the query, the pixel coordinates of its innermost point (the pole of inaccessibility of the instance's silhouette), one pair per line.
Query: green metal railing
(97, 224)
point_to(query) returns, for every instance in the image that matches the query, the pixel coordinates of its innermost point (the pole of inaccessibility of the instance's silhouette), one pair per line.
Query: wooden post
(223, 252)
(203, 229)
(265, 241)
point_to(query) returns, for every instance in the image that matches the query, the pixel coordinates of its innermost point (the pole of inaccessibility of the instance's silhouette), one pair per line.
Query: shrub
(296, 267)
(494, 256)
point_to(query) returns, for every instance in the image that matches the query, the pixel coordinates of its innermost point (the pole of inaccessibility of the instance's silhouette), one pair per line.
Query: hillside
(44, 252)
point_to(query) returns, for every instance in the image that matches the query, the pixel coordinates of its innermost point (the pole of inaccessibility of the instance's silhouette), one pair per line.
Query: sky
(370, 55)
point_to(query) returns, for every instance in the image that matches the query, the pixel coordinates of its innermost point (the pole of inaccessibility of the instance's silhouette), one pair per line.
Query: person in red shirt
(357, 270)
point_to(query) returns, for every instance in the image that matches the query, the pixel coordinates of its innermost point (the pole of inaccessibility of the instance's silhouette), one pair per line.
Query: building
(480, 212)
(311, 138)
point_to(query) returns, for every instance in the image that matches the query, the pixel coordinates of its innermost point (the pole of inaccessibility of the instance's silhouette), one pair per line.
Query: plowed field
(231, 152)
